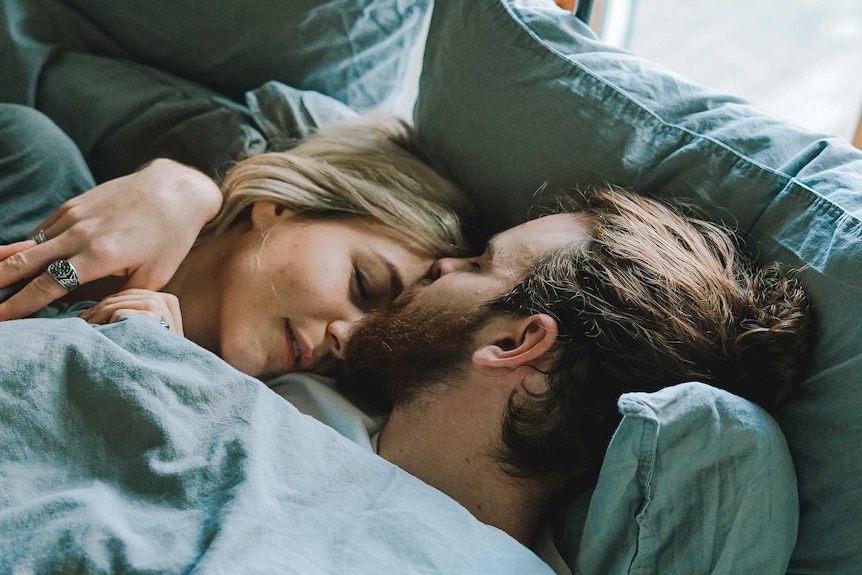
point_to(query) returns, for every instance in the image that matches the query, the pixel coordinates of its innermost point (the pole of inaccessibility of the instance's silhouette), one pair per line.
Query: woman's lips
(292, 352)
(297, 353)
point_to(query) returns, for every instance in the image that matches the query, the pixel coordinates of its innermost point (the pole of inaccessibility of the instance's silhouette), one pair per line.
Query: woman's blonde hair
(369, 167)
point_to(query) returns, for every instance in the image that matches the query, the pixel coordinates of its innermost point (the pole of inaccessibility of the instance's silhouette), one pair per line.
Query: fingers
(40, 292)
(155, 305)
(124, 313)
(108, 230)
(25, 260)
(51, 221)
(12, 249)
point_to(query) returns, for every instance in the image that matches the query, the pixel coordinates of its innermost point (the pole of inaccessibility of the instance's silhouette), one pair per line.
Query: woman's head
(310, 239)
(369, 167)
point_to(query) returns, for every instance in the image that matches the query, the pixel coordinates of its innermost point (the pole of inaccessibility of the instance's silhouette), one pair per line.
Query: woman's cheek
(245, 361)
(240, 348)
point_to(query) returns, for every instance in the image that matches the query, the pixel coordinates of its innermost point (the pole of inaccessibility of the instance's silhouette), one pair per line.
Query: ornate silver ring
(65, 273)
(39, 237)
(164, 323)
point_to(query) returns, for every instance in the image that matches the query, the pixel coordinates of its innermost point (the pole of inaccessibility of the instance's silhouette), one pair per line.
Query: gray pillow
(122, 115)
(695, 480)
(199, 83)
(516, 93)
(356, 51)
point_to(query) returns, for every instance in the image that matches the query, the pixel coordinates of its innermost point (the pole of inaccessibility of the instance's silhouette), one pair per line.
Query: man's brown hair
(653, 299)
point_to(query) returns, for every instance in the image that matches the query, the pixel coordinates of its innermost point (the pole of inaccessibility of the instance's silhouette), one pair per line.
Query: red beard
(396, 353)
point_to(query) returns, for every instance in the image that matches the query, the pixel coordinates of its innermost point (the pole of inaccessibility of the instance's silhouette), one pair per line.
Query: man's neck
(451, 449)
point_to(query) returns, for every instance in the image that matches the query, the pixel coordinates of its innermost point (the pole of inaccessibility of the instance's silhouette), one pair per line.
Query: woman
(305, 242)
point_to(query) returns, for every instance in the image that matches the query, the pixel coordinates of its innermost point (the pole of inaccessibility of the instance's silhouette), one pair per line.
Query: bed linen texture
(356, 51)
(517, 94)
(133, 82)
(695, 480)
(40, 168)
(124, 448)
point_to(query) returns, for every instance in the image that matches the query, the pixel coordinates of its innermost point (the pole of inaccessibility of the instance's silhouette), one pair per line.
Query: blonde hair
(369, 167)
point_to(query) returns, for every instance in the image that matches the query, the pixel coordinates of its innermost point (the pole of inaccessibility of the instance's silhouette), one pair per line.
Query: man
(504, 371)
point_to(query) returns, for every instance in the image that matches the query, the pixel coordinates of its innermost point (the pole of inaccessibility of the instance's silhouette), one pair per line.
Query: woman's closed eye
(360, 282)
(370, 291)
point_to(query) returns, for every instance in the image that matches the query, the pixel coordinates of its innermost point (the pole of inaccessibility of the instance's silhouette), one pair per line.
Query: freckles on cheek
(313, 275)
(242, 350)
(285, 283)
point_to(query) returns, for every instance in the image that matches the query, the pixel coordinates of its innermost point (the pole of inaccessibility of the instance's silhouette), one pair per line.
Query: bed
(126, 449)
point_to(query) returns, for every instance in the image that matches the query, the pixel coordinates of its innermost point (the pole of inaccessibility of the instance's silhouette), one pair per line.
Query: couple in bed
(502, 370)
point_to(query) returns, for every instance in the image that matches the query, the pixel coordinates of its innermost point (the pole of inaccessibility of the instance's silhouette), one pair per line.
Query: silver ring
(164, 323)
(39, 237)
(65, 273)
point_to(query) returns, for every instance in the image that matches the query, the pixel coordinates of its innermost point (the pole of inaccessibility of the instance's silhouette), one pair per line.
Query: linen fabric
(517, 95)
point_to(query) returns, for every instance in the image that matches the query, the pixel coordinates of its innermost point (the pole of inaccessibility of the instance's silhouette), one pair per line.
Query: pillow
(516, 93)
(73, 61)
(355, 51)
(682, 458)
(122, 115)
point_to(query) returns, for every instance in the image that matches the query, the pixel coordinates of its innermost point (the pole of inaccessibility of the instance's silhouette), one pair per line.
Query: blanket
(124, 448)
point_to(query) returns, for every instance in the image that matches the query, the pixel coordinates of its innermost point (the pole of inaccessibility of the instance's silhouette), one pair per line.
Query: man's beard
(397, 353)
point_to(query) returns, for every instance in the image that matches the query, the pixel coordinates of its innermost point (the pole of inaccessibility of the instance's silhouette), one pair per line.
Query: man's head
(426, 337)
(636, 298)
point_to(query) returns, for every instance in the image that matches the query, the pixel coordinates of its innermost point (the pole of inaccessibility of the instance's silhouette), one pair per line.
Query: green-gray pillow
(356, 51)
(516, 93)
(695, 480)
(122, 115)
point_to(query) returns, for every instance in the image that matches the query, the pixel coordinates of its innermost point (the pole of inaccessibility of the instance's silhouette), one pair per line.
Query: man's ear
(265, 214)
(509, 343)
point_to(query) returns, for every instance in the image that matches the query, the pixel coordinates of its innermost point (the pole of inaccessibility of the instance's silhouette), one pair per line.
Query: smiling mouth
(293, 347)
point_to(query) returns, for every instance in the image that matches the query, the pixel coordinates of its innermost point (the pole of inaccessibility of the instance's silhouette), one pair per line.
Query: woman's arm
(139, 227)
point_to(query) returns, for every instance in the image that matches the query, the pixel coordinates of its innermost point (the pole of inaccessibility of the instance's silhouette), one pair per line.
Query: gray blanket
(126, 449)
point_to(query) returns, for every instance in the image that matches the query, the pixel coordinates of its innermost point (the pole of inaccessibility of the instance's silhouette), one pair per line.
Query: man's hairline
(576, 217)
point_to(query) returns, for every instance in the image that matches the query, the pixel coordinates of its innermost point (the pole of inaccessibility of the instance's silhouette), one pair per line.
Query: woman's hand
(159, 306)
(139, 227)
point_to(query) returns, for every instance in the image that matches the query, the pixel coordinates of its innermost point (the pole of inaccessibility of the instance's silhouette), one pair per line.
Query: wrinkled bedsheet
(124, 448)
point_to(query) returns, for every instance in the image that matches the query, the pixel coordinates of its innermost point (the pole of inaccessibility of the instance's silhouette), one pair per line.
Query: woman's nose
(445, 266)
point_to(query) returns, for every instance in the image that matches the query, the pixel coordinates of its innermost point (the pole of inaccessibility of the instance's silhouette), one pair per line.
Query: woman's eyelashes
(370, 290)
(360, 282)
